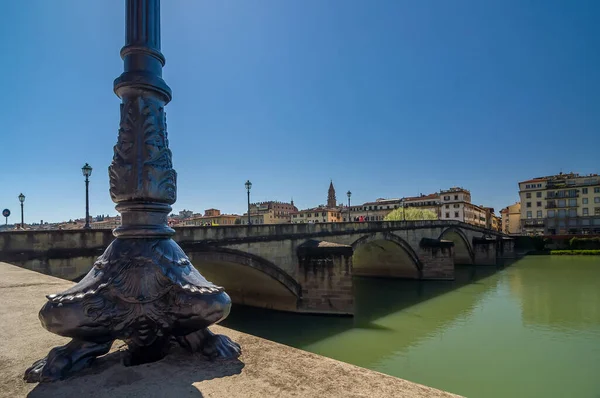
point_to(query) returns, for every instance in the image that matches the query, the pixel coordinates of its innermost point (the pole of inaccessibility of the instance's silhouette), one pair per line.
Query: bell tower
(331, 200)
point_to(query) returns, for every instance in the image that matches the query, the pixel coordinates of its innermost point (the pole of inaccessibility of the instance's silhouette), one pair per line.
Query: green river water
(531, 329)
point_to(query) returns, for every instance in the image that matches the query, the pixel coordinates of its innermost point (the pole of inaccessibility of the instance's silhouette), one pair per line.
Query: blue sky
(387, 98)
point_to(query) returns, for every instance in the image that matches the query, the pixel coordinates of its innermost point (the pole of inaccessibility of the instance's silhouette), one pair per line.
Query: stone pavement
(265, 369)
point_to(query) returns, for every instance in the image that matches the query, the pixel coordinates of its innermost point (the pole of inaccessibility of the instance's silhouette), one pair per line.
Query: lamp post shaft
(349, 220)
(248, 207)
(87, 202)
(22, 218)
(142, 178)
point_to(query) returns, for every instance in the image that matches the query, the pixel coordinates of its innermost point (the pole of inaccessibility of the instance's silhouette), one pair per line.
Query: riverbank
(564, 253)
(575, 252)
(265, 369)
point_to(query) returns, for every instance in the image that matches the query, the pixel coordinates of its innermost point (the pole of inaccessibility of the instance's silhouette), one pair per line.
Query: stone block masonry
(268, 265)
(437, 259)
(325, 273)
(485, 251)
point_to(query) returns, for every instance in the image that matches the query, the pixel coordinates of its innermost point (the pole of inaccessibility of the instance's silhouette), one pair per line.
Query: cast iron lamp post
(87, 172)
(143, 289)
(248, 187)
(22, 200)
(349, 194)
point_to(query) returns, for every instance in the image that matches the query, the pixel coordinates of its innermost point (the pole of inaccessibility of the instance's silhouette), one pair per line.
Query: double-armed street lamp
(248, 187)
(349, 194)
(87, 172)
(22, 200)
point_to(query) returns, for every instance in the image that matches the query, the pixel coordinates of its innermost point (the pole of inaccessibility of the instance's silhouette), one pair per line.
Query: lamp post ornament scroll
(143, 289)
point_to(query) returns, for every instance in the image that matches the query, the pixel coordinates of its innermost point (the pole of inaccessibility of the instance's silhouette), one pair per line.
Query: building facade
(562, 204)
(317, 215)
(211, 217)
(270, 212)
(511, 219)
(455, 204)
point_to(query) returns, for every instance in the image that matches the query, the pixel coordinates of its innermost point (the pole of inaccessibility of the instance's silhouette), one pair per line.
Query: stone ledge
(266, 369)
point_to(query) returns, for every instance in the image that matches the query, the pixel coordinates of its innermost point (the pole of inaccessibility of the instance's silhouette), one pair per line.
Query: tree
(410, 214)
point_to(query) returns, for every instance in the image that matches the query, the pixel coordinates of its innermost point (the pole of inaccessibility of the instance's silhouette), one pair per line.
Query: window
(596, 189)
(597, 199)
(447, 215)
(584, 201)
(456, 196)
(528, 214)
(528, 204)
(572, 222)
(562, 203)
(572, 202)
(539, 214)
(586, 211)
(585, 221)
(538, 194)
(539, 204)
(456, 214)
(551, 213)
(528, 195)
(447, 206)
(456, 206)
(597, 211)
(446, 197)
(584, 191)
(572, 212)
(562, 213)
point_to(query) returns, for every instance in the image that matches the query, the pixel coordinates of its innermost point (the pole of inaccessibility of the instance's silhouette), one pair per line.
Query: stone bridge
(292, 267)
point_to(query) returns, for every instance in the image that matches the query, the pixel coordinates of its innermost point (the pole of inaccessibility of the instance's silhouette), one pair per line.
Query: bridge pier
(485, 251)
(437, 259)
(506, 248)
(325, 273)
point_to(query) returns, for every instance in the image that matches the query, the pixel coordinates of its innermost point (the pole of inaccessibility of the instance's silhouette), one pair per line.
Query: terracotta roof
(534, 180)
(424, 197)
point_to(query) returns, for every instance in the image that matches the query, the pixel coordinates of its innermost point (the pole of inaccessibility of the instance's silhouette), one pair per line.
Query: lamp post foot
(213, 346)
(65, 360)
(142, 291)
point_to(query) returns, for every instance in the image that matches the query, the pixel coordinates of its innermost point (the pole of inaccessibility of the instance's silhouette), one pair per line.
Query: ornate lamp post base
(143, 289)
(145, 292)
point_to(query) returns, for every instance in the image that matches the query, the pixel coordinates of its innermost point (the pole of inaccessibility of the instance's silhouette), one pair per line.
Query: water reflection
(390, 316)
(528, 330)
(558, 292)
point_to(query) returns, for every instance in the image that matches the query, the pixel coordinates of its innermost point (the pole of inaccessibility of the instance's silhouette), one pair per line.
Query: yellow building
(562, 204)
(317, 215)
(511, 219)
(211, 217)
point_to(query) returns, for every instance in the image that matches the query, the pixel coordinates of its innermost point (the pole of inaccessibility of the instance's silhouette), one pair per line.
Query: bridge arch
(385, 254)
(463, 248)
(247, 278)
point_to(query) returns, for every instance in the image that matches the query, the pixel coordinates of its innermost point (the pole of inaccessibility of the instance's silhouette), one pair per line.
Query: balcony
(534, 222)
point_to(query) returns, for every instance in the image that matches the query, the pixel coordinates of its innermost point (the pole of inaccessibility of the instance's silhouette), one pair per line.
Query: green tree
(410, 214)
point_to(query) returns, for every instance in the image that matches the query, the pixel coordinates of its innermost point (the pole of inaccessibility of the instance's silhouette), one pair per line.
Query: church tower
(331, 200)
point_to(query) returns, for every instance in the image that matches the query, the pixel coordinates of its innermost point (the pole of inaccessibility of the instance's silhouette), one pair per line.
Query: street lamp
(87, 172)
(349, 194)
(248, 186)
(22, 199)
